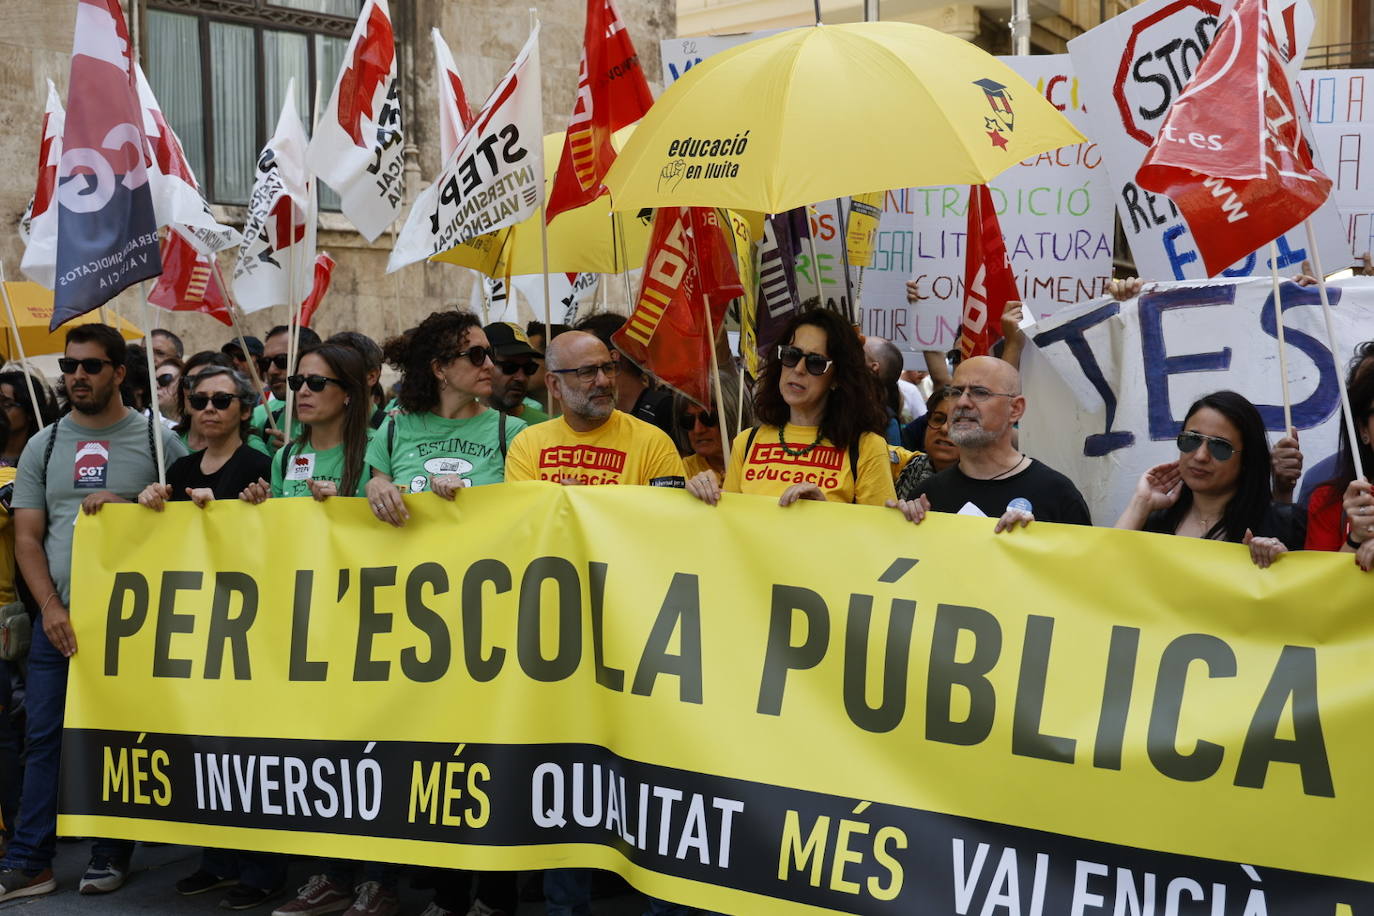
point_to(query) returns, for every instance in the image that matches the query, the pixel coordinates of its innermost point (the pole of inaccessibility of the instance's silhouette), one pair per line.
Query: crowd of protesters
(831, 417)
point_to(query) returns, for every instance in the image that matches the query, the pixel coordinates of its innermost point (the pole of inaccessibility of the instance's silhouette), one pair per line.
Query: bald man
(592, 442)
(992, 474)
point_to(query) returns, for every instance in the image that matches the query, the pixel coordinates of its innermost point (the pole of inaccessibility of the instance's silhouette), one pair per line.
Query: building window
(220, 69)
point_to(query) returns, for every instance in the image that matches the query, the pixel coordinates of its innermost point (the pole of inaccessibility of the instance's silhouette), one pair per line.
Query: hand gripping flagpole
(1331, 343)
(19, 347)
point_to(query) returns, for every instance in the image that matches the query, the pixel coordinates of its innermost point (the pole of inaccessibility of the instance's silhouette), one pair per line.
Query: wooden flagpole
(1283, 350)
(154, 408)
(19, 345)
(1331, 343)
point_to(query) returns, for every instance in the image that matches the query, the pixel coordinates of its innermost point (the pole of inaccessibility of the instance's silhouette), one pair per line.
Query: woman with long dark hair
(328, 457)
(821, 418)
(17, 403)
(1329, 525)
(1220, 487)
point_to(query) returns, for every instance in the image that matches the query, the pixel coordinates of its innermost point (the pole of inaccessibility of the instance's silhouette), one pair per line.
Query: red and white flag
(1231, 153)
(177, 200)
(189, 281)
(611, 93)
(689, 271)
(989, 283)
(455, 117)
(38, 225)
(357, 146)
(278, 248)
(324, 272)
(495, 175)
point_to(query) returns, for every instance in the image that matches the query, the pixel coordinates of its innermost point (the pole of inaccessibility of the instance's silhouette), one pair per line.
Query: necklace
(1019, 458)
(797, 453)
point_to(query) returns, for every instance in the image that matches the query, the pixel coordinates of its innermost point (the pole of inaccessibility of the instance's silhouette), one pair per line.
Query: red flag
(989, 283)
(324, 271)
(611, 93)
(189, 281)
(1230, 152)
(689, 263)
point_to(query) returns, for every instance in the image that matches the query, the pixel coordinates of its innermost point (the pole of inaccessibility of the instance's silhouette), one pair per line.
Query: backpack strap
(285, 458)
(854, 468)
(501, 434)
(390, 435)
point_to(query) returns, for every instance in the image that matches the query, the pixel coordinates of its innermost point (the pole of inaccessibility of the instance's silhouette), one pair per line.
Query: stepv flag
(495, 175)
(189, 281)
(611, 93)
(689, 272)
(357, 146)
(455, 117)
(38, 225)
(106, 227)
(988, 281)
(278, 248)
(1230, 153)
(324, 272)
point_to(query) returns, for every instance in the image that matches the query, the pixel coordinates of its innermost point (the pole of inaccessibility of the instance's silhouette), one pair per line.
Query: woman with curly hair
(444, 437)
(822, 421)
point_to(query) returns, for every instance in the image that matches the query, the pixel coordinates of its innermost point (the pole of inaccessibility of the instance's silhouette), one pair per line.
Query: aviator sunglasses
(1221, 450)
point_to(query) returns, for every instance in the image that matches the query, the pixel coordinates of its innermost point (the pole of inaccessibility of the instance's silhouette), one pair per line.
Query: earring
(347, 401)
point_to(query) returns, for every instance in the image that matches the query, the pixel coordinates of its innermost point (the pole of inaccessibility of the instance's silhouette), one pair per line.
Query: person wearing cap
(992, 475)
(234, 350)
(516, 363)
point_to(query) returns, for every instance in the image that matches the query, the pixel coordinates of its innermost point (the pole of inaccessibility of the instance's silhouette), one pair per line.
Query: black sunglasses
(688, 421)
(265, 361)
(90, 365)
(478, 356)
(313, 382)
(816, 364)
(166, 379)
(221, 400)
(511, 368)
(1221, 450)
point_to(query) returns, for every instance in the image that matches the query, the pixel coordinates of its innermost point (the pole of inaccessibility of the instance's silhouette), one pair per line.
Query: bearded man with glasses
(993, 475)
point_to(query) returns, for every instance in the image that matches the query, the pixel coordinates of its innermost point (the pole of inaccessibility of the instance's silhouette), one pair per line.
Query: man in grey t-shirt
(99, 453)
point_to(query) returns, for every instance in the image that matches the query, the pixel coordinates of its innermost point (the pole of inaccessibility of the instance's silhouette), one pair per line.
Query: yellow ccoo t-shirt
(623, 450)
(769, 469)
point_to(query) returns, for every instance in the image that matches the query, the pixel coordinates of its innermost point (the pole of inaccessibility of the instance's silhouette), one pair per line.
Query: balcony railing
(1340, 56)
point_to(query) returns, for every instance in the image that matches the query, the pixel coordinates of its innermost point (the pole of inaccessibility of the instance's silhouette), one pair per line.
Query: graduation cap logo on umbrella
(1003, 118)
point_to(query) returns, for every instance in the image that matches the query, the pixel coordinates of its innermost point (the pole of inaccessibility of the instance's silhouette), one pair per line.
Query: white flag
(454, 115)
(279, 233)
(495, 176)
(38, 225)
(177, 200)
(357, 146)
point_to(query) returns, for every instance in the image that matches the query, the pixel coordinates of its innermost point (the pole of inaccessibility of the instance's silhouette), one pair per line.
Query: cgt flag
(1231, 153)
(279, 232)
(455, 117)
(106, 227)
(989, 283)
(611, 93)
(189, 281)
(689, 270)
(493, 178)
(357, 147)
(38, 225)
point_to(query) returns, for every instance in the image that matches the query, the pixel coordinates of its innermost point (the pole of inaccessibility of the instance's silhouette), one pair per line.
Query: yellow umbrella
(32, 306)
(829, 111)
(580, 240)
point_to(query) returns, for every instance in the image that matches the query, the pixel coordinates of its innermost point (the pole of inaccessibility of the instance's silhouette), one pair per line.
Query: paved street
(157, 869)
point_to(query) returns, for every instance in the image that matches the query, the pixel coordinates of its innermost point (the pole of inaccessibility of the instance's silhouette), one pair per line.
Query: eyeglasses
(266, 361)
(937, 420)
(976, 393)
(7, 403)
(688, 421)
(313, 382)
(816, 364)
(1189, 441)
(478, 356)
(221, 400)
(166, 379)
(90, 365)
(587, 373)
(511, 368)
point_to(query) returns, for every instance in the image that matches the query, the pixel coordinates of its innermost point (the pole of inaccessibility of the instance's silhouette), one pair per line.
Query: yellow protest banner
(743, 708)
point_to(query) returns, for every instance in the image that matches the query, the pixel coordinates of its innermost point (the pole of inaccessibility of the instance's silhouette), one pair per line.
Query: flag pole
(1331, 343)
(19, 345)
(844, 257)
(243, 344)
(811, 240)
(709, 332)
(1283, 349)
(154, 408)
(623, 260)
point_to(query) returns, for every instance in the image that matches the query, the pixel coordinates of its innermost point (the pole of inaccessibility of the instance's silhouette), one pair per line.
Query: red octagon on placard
(1209, 7)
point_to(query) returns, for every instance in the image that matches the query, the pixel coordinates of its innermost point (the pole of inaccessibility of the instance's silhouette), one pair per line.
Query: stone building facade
(485, 36)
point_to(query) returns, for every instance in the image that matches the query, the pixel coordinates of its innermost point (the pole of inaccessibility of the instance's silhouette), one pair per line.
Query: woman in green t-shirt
(444, 438)
(328, 458)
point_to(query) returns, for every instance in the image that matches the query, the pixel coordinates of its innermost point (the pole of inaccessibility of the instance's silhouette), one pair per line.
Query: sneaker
(243, 897)
(201, 882)
(374, 900)
(317, 897)
(435, 909)
(16, 882)
(479, 908)
(103, 876)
